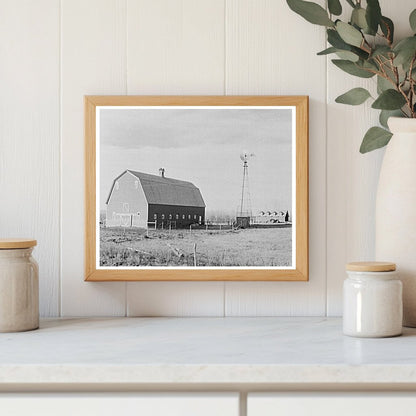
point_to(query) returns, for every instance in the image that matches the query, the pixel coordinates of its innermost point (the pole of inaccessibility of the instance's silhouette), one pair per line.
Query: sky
(203, 146)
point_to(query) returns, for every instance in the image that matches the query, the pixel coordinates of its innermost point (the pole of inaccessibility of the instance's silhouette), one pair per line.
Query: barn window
(183, 216)
(126, 207)
(117, 185)
(155, 216)
(163, 216)
(195, 217)
(170, 216)
(177, 216)
(189, 216)
(136, 184)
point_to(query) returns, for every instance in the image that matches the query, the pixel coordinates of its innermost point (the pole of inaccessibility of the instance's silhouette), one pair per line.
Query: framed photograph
(196, 188)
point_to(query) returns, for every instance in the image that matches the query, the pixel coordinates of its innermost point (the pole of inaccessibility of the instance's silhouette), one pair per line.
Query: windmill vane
(244, 156)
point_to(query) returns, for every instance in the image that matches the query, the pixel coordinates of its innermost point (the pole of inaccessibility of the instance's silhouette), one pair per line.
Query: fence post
(195, 261)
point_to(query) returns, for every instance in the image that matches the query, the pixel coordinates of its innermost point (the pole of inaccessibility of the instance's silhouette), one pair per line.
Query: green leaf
(412, 20)
(387, 27)
(383, 84)
(348, 56)
(311, 12)
(349, 34)
(327, 51)
(358, 18)
(389, 100)
(381, 50)
(386, 114)
(334, 7)
(370, 65)
(336, 41)
(356, 96)
(405, 50)
(352, 68)
(375, 138)
(373, 15)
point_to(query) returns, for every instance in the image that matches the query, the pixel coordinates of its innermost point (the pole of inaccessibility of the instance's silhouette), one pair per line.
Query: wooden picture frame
(95, 271)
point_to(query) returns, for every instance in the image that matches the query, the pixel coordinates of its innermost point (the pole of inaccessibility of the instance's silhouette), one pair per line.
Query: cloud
(187, 128)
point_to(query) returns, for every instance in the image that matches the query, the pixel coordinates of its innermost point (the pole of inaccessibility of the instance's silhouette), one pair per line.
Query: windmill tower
(244, 211)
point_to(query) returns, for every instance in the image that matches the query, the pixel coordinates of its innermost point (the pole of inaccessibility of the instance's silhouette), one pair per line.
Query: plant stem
(412, 86)
(366, 43)
(396, 83)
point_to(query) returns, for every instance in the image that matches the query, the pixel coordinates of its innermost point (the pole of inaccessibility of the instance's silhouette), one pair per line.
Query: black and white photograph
(196, 187)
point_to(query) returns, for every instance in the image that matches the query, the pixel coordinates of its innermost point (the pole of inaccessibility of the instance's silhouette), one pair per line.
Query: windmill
(245, 202)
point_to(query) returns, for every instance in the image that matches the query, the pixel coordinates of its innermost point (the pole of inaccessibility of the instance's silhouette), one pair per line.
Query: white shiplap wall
(55, 52)
(30, 134)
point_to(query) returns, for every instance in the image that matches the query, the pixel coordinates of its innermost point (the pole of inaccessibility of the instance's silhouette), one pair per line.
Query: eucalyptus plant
(365, 47)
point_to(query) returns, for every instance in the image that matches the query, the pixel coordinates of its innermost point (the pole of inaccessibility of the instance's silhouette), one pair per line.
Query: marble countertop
(203, 351)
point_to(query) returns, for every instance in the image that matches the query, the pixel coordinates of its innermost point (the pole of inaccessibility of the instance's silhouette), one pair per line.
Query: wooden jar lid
(12, 243)
(371, 266)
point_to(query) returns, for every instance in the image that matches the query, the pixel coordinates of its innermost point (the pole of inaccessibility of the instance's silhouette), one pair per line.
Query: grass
(233, 248)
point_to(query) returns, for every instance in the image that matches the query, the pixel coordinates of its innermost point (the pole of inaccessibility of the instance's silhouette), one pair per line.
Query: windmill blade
(245, 156)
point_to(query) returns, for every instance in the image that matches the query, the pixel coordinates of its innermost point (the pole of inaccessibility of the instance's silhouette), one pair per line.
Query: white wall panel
(352, 178)
(29, 135)
(175, 47)
(93, 62)
(175, 299)
(123, 404)
(266, 53)
(328, 404)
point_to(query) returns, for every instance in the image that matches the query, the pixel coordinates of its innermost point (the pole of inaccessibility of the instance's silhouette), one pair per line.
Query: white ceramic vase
(396, 210)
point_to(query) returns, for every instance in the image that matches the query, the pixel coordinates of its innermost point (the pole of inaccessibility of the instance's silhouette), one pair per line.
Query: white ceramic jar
(372, 300)
(19, 286)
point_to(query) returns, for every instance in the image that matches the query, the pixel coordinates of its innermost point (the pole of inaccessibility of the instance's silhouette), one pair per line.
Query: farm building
(139, 199)
(271, 217)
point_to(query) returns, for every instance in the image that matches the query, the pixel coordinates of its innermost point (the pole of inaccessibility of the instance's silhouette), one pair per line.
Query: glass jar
(372, 300)
(19, 286)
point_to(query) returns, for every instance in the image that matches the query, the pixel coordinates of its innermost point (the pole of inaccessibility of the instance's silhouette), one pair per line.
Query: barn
(139, 199)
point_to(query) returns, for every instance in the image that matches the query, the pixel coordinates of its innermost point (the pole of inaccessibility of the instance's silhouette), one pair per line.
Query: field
(202, 248)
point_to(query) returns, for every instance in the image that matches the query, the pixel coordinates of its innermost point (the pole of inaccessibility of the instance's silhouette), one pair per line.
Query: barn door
(126, 220)
(136, 220)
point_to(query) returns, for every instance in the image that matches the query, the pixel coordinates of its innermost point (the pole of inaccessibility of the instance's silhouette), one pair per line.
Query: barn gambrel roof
(166, 191)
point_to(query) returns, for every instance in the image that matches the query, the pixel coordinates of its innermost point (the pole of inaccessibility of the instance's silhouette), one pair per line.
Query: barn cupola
(162, 172)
